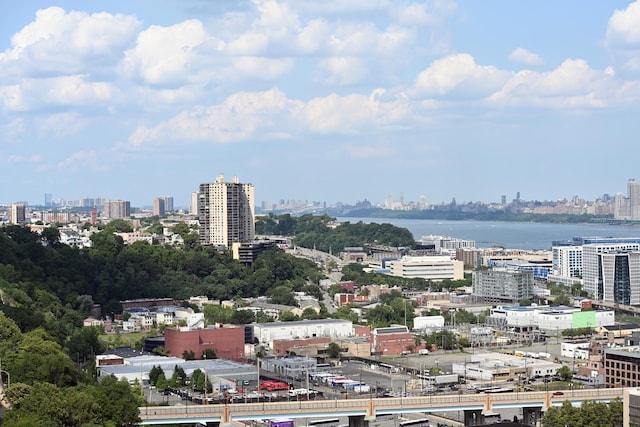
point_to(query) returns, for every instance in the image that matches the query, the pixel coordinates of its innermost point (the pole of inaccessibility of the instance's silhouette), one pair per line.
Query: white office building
(334, 328)
(600, 273)
(433, 267)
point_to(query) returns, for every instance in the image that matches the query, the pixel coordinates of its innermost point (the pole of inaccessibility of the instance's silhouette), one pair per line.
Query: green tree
(564, 372)
(333, 350)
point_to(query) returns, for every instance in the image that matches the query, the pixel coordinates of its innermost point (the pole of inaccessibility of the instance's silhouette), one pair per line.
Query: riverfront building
(611, 270)
(226, 211)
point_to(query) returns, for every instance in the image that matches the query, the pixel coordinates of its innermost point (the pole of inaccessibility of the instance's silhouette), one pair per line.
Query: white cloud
(526, 57)
(24, 159)
(91, 160)
(168, 55)
(458, 76)
(12, 131)
(60, 42)
(424, 14)
(240, 117)
(61, 125)
(12, 98)
(342, 71)
(623, 36)
(572, 84)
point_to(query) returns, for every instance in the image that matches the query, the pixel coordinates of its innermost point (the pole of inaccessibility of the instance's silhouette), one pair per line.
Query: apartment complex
(503, 284)
(226, 211)
(17, 213)
(115, 209)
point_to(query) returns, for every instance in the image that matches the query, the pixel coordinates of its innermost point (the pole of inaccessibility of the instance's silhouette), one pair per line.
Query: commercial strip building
(496, 367)
(551, 320)
(222, 373)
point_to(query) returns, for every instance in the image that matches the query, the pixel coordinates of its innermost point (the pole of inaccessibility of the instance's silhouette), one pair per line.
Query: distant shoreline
(482, 216)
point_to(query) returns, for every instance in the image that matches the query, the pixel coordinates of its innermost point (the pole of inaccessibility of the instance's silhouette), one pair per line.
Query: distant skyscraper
(115, 209)
(168, 203)
(193, 207)
(48, 198)
(628, 208)
(17, 213)
(158, 206)
(226, 211)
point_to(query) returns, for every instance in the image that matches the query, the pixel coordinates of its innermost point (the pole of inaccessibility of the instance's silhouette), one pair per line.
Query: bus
(330, 422)
(493, 389)
(421, 422)
(281, 423)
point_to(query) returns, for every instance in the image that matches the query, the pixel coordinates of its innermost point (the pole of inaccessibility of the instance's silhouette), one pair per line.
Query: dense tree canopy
(318, 231)
(589, 414)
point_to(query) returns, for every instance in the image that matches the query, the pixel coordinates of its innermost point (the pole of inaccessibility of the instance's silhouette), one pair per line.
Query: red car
(558, 393)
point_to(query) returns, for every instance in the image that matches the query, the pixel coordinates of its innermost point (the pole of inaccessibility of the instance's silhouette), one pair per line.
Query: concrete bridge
(361, 411)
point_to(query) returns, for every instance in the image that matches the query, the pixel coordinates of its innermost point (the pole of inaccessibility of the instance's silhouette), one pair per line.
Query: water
(511, 235)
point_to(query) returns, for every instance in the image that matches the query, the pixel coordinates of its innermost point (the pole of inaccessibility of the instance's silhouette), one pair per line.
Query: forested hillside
(323, 233)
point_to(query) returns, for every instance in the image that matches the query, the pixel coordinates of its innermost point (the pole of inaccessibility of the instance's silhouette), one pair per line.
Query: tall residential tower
(226, 211)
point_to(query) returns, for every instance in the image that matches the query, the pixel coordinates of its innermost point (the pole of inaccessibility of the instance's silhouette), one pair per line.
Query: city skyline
(321, 101)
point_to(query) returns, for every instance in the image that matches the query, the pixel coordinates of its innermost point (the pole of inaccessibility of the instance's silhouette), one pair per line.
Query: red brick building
(281, 347)
(392, 340)
(227, 343)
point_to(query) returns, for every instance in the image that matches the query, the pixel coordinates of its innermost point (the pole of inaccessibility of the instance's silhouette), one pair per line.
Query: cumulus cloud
(239, 117)
(61, 42)
(167, 55)
(573, 83)
(458, 76)
(431, 13)
(341, 71)
(526, 57)
(623, 36)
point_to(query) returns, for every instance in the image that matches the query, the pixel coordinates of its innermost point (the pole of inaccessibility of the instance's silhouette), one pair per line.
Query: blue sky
(315, 100)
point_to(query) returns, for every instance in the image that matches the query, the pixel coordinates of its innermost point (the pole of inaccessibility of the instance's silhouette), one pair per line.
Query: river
(512, 235)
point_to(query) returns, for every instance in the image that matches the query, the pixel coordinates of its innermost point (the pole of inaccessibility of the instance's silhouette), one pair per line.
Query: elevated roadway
(368, 408)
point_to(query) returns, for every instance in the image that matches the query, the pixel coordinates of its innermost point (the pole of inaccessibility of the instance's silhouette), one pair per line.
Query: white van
(423, 351)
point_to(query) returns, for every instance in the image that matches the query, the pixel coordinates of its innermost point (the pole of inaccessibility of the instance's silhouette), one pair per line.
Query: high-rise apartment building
(114, 209)
(17, 213)
(226, 211)
(628, 208)
(567, 261)
(158, 206)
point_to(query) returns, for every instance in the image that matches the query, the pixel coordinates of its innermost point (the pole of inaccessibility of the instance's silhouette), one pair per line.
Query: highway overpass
(368, 409)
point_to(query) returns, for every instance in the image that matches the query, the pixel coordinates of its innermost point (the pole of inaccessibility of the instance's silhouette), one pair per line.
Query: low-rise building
(266, 333)
(227, 342)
